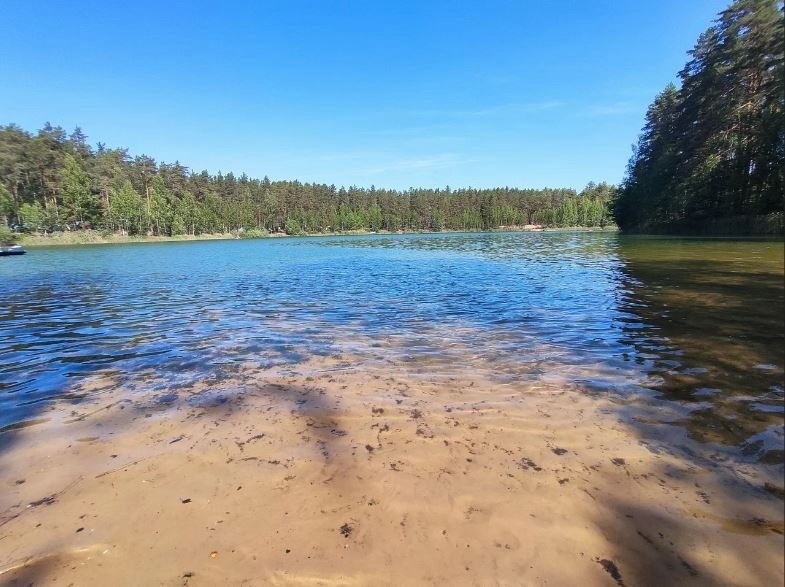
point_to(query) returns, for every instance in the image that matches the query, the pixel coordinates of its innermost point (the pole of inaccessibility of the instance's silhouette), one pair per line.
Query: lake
(697, 322)
(546, 406)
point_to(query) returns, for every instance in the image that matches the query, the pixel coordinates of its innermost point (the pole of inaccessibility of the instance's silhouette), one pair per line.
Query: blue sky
(394, 94)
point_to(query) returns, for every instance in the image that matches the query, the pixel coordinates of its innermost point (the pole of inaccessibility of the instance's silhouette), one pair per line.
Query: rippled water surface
(696, 324)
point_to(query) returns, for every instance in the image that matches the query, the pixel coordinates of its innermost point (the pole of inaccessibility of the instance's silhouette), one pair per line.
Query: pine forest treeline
(711, 157)
(52, 180)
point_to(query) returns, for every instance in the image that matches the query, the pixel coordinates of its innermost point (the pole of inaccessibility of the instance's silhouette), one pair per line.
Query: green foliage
(7, 238)
(33, 217)
(161, 207)
(293, 227)
(126, 209)
(52, 181)
(7, 207)
(591, 208)
(186, 218)
(80, 206)
(253, 233)
(714, 148)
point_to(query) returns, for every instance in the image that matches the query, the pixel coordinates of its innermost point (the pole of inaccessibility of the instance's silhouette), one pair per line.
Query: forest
(52, 180)
(711, 156)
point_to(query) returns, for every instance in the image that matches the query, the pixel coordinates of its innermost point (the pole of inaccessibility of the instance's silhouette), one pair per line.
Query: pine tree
(81, 208)
(714, 148)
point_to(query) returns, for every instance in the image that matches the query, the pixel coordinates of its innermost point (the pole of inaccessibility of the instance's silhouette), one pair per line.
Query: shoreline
(96, 238)
(342, 471)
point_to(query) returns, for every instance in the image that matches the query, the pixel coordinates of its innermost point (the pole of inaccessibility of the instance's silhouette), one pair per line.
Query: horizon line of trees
(711, 156)
(52, 180)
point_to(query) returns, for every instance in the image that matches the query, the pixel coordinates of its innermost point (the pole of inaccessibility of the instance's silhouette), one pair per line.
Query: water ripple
(599, 311)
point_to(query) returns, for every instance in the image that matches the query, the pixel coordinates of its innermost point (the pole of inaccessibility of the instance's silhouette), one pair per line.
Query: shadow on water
(214, 404)
(33, 573)
(660, 549)
(704, 324)
(709, 328)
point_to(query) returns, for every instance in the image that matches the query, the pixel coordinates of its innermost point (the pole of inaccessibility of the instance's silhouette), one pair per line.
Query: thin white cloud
(337, 157)
(498, 110)
(405, 131)
(439, 161)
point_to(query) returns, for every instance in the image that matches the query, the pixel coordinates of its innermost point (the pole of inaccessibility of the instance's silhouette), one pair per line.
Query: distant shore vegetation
(54, 181)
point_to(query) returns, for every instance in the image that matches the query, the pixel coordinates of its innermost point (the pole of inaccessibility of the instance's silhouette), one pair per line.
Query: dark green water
(692, 328)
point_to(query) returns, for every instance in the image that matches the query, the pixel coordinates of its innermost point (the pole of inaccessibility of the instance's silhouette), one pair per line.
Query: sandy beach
(339, 471)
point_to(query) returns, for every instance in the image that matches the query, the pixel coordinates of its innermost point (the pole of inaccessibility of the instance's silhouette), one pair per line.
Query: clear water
(697, 324)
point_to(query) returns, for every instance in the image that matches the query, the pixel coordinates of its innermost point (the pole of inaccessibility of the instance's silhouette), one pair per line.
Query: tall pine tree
(712, 153)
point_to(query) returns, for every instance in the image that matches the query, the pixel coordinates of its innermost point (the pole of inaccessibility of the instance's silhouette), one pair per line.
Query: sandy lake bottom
(341, 471)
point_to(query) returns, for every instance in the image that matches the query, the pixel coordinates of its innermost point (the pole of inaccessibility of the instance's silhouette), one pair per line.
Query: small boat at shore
(12, 250)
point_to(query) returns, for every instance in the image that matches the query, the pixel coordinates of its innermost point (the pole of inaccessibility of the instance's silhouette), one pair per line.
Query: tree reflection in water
(708, 324)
